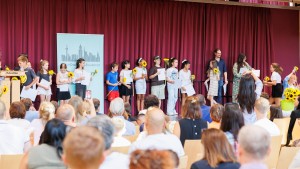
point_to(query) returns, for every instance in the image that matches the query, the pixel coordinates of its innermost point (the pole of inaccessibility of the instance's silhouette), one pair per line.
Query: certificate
(161, 74)
(243, 70)
(177, 83)
(64, 88)
(30, 93)
(256, 72)
(127, 76)
(225, 88)
(87, 78)
(190, 91)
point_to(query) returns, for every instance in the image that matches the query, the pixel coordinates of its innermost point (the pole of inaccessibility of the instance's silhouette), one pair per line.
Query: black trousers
(80, 90)
(294, 116)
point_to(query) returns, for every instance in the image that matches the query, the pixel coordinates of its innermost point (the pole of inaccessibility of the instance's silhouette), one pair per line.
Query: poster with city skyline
(90, 47)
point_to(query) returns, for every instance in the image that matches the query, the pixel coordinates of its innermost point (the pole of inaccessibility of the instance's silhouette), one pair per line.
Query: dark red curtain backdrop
(139, 28)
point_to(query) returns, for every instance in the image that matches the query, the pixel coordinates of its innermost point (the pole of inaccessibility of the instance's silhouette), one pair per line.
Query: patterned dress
(213, 83)
(236, 80)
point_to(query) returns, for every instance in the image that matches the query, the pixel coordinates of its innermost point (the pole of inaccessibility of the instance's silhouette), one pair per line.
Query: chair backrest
(194, 150)
(10, 161)
(272, 159)
(123, 150)
(286, 156)
(183, 160)
(131, 138)
(283, 125)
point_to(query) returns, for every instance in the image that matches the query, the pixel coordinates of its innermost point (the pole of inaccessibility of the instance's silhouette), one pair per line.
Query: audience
(117, 109)
(17, 113)
(48, 153)
(216, 113)
(66, 114)
(262, 107)
(13, 140)
(191, 125)
(156, 139)
(30, 114)
(97, 106)
(83, 148)
(254, 146)
(232, 121)
(140, 121)
(107, 130)
(218, 152)
(250, 90)
(151, 101)
(75, 102)
(127, 107)
(119, 141)
(204, 108)
(153, 159)
(46, 111)
(85, 111)
(55, 104)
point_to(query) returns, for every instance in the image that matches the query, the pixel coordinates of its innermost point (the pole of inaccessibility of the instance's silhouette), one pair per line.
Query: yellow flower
(166, 59)
(14, 78)
(7, 68)
(4, 89)
(23, 79)
(134, 71)
(193, 77)
(266, 78)
(95, 72)
(144, 63)
(70, 74)
(216, 70)
(296, 68)
(124, 80)
(51, 72)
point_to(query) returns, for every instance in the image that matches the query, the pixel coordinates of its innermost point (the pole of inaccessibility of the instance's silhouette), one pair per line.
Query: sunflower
(124, 79)
(216, 70)
(70, 74)
(95, 72)
(51, 72)
(134, 71)
(14, 78)
(144, 63)
(266, 78)
(193, 77)
(4, 89)
(7, 68)
(296, 68)
(23, 79)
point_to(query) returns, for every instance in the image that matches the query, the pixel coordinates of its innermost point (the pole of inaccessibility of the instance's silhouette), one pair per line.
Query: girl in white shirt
(140, 77)
(125, 88)
(63, 82)
(79, 77)
(172, 77)
(185, 78)
(277, 90)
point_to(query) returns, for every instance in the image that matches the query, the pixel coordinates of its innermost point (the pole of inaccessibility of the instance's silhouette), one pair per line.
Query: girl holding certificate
(185, 78)
(140, 76)
(126, 80)
(44, 82)
(172, 78)
(80, 78)
(63, 81)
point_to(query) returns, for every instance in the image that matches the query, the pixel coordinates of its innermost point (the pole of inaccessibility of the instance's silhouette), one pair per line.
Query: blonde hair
(84, 108)
(46, 111)
(277, 68)
(22, 58)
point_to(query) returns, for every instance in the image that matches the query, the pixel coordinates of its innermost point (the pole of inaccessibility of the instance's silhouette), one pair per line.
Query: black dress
(203, 164)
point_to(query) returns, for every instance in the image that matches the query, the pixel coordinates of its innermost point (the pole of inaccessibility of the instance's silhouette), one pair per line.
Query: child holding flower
(290, 81)
(125, 88)
(44, 82)
(63, 79)
(214, 77)
(140, 77)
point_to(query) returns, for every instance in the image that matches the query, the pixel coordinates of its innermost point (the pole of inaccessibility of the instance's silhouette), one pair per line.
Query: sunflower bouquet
(216, 70)
(267, 79)
(291, 95)
(4, 90)
(94, 72)
(70, 74)
(134, 71)
(51, 72)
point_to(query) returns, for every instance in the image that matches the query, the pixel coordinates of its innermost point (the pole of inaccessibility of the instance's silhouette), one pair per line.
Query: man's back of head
(201, 99)
(2, 110)
(262, 106)
(116, 107)
(155, 120)
(254, 144)
(65, 112)
(151, 101)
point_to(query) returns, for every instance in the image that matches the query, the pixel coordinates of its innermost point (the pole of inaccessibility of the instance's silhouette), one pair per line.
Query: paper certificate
(87, 79)
(128, 76)
(190, 91)
(64, 88)
(225, 88)
(177, 83)
(243, 70)
(30, 93)
(206, 84)
(161, 74)
(256, 72)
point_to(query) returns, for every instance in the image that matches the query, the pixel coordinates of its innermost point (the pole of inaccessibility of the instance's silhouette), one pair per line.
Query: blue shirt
(222, 67)
(112, 77)
(31, 115)
(206, 113)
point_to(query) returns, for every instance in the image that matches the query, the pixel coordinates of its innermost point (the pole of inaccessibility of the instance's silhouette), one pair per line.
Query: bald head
(65, 112)
(155, 120)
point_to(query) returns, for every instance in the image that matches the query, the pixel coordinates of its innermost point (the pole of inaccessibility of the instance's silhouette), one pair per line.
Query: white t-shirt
(276, 76)
(139, 73)
(38, 128)
(24, 124)
(185, 77)
(159, 142)
(120, 141)
(128, 81)
(115, 160)
(12, 138)
(77, 74)
(172, 74)
(269, 126)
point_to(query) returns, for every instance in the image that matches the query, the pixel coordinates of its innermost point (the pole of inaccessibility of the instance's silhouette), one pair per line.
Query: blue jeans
(220, 90)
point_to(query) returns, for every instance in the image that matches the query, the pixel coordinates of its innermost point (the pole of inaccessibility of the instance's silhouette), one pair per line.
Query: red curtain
(139, 28)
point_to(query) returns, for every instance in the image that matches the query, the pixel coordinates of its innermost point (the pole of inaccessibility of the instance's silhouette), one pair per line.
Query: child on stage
(214, 76)
(172, 77)
(79, 76)
(31, 77)
(185, 78)
(44, 82)
(125, 88)
(112, 82)
(63, 81)
(140, 77)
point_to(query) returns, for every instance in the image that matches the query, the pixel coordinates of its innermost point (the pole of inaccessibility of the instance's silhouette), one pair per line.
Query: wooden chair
(286, 156)
(123, 150)
(183, 160)
(283, 125)
(272, 159)
(194, 150)
(10, 161)
(131, 138)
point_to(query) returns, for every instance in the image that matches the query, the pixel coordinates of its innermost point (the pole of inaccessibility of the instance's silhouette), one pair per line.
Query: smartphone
(88, 94)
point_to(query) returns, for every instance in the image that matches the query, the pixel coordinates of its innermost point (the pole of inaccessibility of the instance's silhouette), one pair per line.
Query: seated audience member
(156, 139)
(254, 147)
(275, 112)
(262, 107)
(81, 115)
(46, 113)
(66, 114)
(153, 159)
(16, 140)
(117, 109)
(83, 148)
(191, 125)
(17, 113)
(140, 121)
(127, 107)
(55, 104)
(151, 101)
(97, 106)
(294, 116)
(48, 153)
(30, 114)
(218, 153)
(106, 128)
(232, 121)
(119, 141)
(204, 108)
(216, 113)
